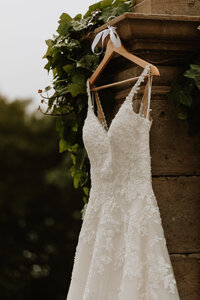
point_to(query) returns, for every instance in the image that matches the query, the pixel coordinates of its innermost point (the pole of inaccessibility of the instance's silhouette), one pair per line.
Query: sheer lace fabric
(121, 252)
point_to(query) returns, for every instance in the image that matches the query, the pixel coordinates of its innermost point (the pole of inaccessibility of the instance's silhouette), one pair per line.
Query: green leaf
(92, 8)
(63, 145)
(199, 25)
(75, 89)
(122, 8)
(50, 103)
(54, 72)
(77, 179)
(60, 127)
(118, 2)
(105, 3)
(68, 68)
(78, 85)
(73, 45)
(62, 89)
(75, 127)
(64, 26)
(195, 68)
(77, 176)
(78, 25)
(89, 61)
(60, 44)
(114, 11)
(78, 17)
(107, 12)
(185, 98)
(48, 66)
(182, 115)
(65, 16)
(180, 95)
(73, 157)
(194, 73)
(73, 148)
(82, 156)
(50, 42)
(86, 190)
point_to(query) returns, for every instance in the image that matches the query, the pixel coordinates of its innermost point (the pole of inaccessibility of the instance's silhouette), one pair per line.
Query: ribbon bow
(103, 34)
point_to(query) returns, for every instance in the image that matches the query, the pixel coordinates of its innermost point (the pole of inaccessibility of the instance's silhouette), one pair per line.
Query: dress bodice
(120, 155)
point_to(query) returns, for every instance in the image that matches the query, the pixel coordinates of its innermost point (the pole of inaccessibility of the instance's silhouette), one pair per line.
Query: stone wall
(172, 7)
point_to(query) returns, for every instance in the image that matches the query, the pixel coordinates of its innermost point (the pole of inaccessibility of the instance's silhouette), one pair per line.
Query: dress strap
(150, 79)
(136, 86)
(145, 102)
(100, 112)
(90, 99)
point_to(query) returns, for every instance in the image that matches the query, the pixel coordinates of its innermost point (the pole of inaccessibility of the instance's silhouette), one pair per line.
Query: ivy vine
(185, 94)
(71, 60)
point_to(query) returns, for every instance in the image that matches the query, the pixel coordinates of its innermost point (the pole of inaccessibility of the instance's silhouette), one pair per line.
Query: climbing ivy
(185, 94)
(70, 59)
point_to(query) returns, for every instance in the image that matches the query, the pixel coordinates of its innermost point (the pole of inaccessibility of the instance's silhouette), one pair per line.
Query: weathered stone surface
(187, 274)
(171, 30)
(172, 7)
(142, 6)
(174, 152)
(178, 201)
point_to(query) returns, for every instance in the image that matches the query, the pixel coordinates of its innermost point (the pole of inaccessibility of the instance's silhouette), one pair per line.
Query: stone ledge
(131, 26)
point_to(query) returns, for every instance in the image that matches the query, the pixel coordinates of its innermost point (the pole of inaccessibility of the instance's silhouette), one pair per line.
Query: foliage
(72, 62)
(185, 94)
(39, 209)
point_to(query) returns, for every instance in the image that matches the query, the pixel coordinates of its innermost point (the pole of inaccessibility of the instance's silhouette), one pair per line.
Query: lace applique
(127, 258)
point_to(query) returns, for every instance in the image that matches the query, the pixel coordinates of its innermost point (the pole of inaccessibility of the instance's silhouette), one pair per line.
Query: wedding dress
(121, 252)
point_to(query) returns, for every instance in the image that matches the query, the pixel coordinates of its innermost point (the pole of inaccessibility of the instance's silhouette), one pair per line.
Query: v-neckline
(123, 104)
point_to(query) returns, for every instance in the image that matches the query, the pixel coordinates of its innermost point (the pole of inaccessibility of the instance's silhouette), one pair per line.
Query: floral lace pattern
(121, 252)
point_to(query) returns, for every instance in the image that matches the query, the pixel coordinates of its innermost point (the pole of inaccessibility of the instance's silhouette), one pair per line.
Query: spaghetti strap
(98, 102)
(136, 86)
(100, 112)
(128, 98)
(90, 100)
(150, 79)
(147, 98)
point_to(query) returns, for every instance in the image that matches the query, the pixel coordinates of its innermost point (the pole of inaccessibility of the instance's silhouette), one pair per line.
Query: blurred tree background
(40, 215)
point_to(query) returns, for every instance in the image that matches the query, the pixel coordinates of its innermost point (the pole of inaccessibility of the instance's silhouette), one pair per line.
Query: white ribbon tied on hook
(103, 34)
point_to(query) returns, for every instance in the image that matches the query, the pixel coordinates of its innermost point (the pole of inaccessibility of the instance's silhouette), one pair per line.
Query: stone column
(169, 42)
(171, 7)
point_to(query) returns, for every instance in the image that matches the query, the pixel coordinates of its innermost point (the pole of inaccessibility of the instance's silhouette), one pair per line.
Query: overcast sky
(24, 27)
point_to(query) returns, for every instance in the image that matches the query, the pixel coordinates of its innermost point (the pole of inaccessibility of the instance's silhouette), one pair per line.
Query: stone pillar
(169, 42)
(171, 7)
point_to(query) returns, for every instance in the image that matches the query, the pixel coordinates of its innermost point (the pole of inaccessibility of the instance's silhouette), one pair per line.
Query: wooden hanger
(110, 50)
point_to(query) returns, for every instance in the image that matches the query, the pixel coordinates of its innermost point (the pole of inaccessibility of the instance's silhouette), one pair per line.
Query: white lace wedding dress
(121, 252)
